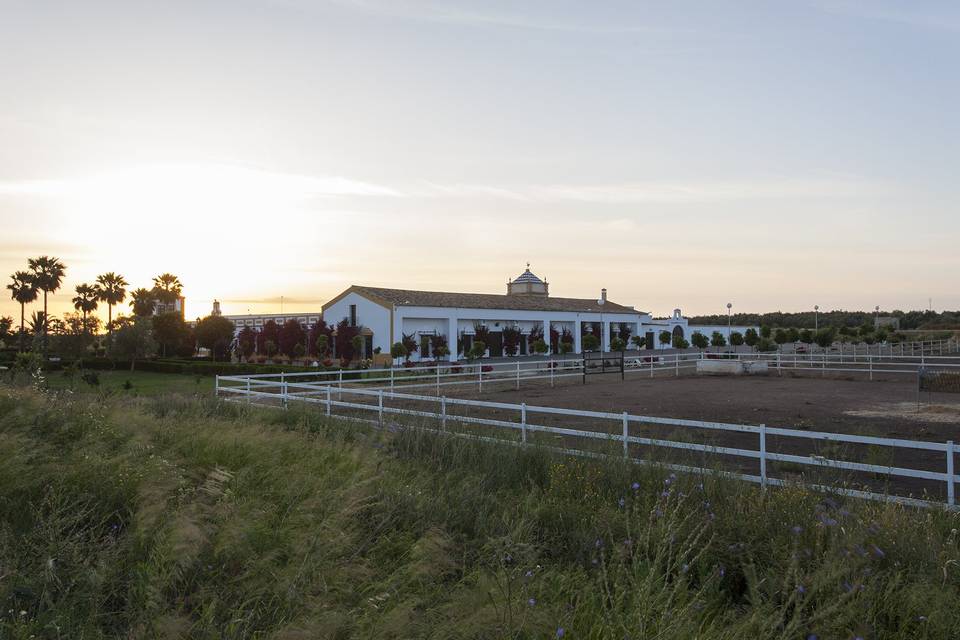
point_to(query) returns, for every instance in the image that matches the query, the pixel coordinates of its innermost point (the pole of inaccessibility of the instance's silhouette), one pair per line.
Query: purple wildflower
(528, 574)
(827, 520)
(797, 530)
(532, 602)
(621, 502)
(877, 551)
(560, 632)
(801, 589)
(634, 486)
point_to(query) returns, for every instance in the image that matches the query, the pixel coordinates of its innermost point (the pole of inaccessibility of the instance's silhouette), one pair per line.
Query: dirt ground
(879, 408)
(883, 408)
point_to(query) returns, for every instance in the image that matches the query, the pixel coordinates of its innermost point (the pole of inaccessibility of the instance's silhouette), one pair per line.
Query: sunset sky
(775, 155)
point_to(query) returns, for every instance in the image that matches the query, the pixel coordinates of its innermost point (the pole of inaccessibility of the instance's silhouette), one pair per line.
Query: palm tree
(167, 288)
(142, 301)
(24, 290)
(112, 289)
(86, 300)
(48, 274)
(38, 320)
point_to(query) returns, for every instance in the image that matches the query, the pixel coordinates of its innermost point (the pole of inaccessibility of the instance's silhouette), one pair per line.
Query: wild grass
(183, 517)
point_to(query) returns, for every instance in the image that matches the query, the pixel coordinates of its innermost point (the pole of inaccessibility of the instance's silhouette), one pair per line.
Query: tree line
(909, 320)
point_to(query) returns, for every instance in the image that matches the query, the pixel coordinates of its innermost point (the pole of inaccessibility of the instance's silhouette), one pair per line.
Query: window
(353, 315)
(258, 322)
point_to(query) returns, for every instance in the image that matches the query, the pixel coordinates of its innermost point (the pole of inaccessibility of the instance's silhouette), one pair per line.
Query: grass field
(132, 383)
(178, 517)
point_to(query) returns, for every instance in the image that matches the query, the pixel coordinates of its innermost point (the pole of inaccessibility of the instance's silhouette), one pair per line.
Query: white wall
(369, 314)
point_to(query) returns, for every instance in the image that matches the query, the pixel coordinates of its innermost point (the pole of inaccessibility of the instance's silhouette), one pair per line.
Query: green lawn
(143, 383)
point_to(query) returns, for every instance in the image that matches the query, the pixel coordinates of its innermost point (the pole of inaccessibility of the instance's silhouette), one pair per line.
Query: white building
(527, 307)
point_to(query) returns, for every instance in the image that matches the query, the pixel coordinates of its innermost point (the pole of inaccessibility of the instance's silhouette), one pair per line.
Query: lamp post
(876, 322)
(729, 306)
(816, 318)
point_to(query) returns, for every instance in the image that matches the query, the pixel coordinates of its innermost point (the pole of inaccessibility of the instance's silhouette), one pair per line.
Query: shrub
(590, 342)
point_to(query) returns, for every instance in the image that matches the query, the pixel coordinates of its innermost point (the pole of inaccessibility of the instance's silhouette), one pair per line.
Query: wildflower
(532, 602)
(665, 494)
(628, 542)
(722, 571)
(797, 530)
(801, 589)
(921, 618)
(877, 551)
(827, 520)
(684, 568)
(700, 486)
(528, 574)
(560, 632)
(658, 513)
(621, 502)
(813, 636)
(599, 543)
(668, 481)
(634, 486)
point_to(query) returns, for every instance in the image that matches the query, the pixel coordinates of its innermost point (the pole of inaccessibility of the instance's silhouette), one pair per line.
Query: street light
(816, 318)
(729, 306)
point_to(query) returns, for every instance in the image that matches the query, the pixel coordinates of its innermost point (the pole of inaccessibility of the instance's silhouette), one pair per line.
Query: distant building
(177, 306)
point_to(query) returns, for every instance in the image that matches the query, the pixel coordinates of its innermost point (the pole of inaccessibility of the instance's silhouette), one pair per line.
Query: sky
(775, 155)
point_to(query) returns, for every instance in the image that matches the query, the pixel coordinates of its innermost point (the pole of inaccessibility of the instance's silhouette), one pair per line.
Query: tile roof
(410, 298)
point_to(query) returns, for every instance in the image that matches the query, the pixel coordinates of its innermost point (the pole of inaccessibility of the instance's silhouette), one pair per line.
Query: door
(649, 340)
(495, 344)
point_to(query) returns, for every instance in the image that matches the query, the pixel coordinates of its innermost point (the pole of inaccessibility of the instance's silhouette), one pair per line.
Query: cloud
(917, 15)
(196, 180)
(655, 192)
(445, 12)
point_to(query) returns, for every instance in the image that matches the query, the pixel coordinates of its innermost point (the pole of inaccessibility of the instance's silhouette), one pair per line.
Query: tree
(824, 337)
(479, 348)
(590, 342)
(86, 300)
(409, 342)
(172, 334)
(343, 341)
(167, 288)
(736, 339)
(357, 343)
(291, 334)
(625, 332)
(48, 273)
(540, 347)
(112, 290)
(765, 331)
(215, 333)
(24, 290)
(440, 347)
(511, 340)
(665, 338)
(75, 337)
(680, 343)
(6, 324)
(717, 339)
(247, 342)
(323, 344)
(617, 344)
(699, 340)
(142, 302)
(793, 335)
(565, 347)
(397, 351)
(133, 341)
(639, 342)
(780, 336)
(270, 334)
(806, 336)
(751, 337)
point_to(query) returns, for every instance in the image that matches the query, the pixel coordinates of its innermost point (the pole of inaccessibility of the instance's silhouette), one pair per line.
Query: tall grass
(182, 517)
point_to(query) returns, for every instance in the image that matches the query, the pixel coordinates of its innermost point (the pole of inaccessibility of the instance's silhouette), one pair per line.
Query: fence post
(523, 422)
(763, 456)
(518, 375)
(438, 377)
(779, 372)
(480, 368)
(380, 407)
(871, 367)
(340, 384)
(283, 392)
(391, 378)
(626, 434)
(443, 413)
(676, 363)
(951, 495)
(551, 372)
(651, 366)
(248, 390)
(216, 388)
(328, 399)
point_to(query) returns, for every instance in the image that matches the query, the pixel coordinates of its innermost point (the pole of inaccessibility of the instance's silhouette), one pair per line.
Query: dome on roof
(528, 276)
(527, 284)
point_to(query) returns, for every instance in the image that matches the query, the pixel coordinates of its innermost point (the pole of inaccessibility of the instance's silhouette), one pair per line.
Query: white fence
(441, 411)
(646, 363)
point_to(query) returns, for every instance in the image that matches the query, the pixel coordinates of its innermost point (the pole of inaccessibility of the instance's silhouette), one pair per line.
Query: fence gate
(597, 362)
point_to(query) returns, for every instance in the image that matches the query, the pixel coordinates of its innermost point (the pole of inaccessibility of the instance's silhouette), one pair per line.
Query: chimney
(603, 295)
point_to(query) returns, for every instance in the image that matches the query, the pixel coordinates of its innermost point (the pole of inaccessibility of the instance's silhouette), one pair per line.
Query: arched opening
(677, 333)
